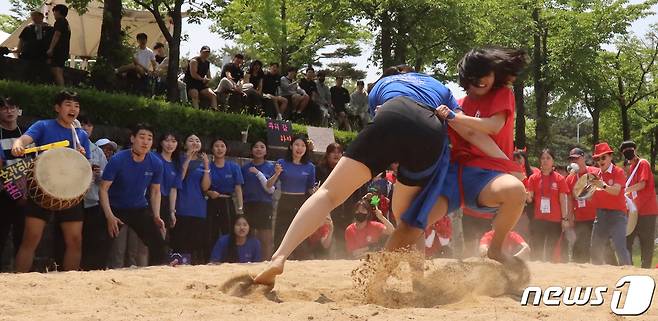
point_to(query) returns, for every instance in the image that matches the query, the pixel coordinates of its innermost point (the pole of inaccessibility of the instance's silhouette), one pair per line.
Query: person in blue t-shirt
(225, 180)
(405, 129)
(297, 181)
(168, 152)
(237, 247)
(259, 177)
(67, 106)
(190, 233)
(127, 178)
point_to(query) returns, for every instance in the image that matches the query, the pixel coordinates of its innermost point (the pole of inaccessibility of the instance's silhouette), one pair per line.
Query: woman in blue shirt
(237, 247)
(297, 181)
(259, 177)
(225, 179)
(168, 153)
(189, 234)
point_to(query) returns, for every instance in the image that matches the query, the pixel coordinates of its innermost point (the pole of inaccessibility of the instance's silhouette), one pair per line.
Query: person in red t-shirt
(610, 206)
(641, 190)
(484, 181)
(548, 190)
(513, 245)
(523, 225)
(365, 234)
(584, 210)
(437, 237)
(318, 244)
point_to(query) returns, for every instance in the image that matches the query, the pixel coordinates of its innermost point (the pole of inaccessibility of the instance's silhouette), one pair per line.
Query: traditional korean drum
(59, 179)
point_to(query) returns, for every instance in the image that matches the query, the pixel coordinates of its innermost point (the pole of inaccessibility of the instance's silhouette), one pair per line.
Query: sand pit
(309, 290)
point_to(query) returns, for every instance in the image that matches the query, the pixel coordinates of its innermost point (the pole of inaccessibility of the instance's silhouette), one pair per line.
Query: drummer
(43, 132)
(584, 210)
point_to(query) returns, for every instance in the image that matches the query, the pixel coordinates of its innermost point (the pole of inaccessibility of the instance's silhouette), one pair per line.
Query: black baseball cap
(627, 144)
(205, 48)
(576, 152)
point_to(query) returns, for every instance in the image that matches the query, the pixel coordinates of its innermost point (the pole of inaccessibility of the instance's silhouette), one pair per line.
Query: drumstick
(63, 143)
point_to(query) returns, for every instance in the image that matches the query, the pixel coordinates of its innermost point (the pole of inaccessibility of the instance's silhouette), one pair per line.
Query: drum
(59, 179)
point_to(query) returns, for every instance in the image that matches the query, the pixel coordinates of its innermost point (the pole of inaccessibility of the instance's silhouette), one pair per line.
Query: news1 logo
(637, 301)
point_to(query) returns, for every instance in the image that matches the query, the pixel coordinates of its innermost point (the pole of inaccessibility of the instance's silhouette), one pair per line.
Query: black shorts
(403, 131)
(340, 109)
(189, 234)
(195, 84)
(73, 214)
(165, 211)
(259, 215)
(58, 61)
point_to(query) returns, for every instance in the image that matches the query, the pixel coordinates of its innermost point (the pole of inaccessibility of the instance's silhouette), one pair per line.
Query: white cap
(104, 141)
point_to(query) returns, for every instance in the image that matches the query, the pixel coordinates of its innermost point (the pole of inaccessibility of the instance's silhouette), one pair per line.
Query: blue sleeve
(112, 169)
(256, 251)
(310, 181)
(36, 131)
(239, 179)
(158, 171)
(372, 102)
(217, 253)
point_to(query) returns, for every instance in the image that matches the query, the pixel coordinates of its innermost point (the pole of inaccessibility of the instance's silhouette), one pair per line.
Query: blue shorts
(474, 179)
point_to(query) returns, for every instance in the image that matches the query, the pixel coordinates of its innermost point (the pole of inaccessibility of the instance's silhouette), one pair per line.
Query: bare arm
(637, 187)
(490, 125)
(18, 148)
(54, 41)
(389, 227)
(194, 70)
(173, 193)
(238, 195)
(480, 140)
(156, 198)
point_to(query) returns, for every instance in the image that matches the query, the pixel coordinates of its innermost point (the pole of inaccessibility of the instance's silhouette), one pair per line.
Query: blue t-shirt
(190, 200)
(247, 252)
(49, 131)
(296, 178)
(130, 179)
(171, 177)
(253, 190)
(224, 179)
(418, 87)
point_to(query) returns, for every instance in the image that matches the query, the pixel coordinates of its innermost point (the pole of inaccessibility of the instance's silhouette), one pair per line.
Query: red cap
(602, 149)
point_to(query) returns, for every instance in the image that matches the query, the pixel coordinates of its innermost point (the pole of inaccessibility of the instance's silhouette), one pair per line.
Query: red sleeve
(380, 227)
(503, 101)
(643, 172)
(486, 238)
(350, 238)
(562, 184)
(516, 238)
(532, 182)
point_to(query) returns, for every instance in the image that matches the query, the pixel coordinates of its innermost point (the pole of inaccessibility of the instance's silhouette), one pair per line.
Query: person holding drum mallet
(127, 177)
(43, 132)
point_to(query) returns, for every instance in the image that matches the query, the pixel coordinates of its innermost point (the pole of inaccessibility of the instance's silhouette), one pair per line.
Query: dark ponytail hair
(480, 62)
(522, 154)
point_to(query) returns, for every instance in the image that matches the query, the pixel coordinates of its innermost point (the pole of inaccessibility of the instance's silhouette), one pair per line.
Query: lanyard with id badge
(545, 202)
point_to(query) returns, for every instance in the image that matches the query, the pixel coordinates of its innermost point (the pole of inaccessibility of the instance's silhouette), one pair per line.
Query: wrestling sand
(309, 290)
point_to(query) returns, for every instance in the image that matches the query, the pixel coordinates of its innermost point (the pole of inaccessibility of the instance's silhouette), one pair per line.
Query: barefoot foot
(268, 276)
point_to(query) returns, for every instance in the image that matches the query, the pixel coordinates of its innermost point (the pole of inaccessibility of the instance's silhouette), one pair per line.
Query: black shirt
(7, 138)
(202, 69)
(309, 86)
(339, 96)
(271, 83)
(235, 71)
(35, 41)
(62, 47)
(255, 79)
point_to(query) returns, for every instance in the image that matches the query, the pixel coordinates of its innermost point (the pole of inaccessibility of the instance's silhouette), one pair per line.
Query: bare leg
(347, 176)
(211, 96)
(266, 240)
(194, 96)
(507, 194)
(31, 238)
(296, 101)
(73, 239)
(304, 103)
(58, 75)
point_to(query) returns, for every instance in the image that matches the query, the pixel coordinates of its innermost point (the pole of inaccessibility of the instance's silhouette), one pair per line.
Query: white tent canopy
(3, 35)
(86, 28)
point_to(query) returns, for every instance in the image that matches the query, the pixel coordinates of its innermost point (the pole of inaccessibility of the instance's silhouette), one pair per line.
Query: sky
(199, 35)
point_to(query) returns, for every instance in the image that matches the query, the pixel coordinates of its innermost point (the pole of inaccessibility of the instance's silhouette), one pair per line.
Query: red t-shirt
(550, 187)
(584, 210)
(500, 100)
(510, 245)
(645, 199)
(605, 200)
(443, 229)
(359, 238)
(535, 170)
(319, 234)
(391, 177)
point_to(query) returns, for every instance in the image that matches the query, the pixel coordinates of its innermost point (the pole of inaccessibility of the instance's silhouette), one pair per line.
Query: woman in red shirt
(549, 192)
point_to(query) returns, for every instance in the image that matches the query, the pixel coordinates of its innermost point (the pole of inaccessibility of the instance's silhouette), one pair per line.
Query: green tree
(291, 32)
(8, 23)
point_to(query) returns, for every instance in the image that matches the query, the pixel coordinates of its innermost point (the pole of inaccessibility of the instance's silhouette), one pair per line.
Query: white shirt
(144, 57)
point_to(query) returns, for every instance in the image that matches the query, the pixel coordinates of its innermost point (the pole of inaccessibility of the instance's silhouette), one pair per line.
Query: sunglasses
(574, 157)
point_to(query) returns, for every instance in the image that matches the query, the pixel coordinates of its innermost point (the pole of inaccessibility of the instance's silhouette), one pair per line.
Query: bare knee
(73, 242)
